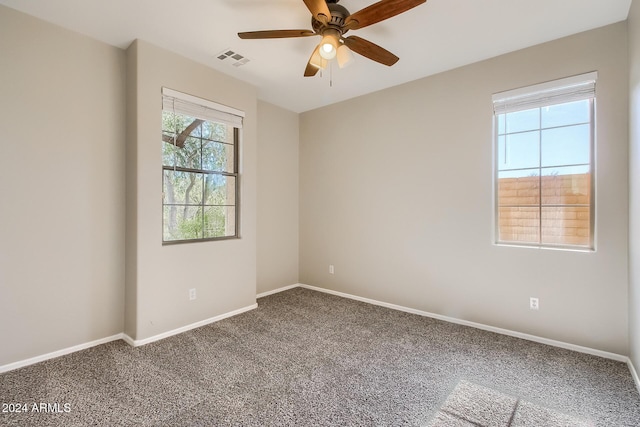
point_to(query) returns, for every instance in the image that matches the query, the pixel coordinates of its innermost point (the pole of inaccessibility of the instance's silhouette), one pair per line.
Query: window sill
(543, 247)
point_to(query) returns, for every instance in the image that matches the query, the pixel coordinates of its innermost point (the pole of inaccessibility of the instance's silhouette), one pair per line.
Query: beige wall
(223, 272)
(634, 182)
(277, 259)
(62, 174)
(380, 184)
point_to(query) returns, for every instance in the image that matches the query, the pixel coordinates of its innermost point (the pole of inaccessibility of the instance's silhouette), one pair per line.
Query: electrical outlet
(331, 269)
(534, 304)
(192, 294)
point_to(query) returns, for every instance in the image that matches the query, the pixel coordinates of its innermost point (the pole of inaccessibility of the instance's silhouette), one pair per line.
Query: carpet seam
(513, 414)
(461, 418)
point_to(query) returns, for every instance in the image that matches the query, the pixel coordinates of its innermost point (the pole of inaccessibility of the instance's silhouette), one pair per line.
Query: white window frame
(200, 108)
(574, 88)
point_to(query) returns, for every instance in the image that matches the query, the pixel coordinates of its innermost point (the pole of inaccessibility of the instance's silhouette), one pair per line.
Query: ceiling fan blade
(275, 34)
(311, 69)
(380, 11)
(370, 50)
(319, 10)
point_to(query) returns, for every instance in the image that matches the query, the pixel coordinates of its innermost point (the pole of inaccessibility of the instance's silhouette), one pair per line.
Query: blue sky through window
(552, 140)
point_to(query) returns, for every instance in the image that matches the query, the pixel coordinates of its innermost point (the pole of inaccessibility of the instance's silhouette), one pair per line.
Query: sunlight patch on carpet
(472, 405)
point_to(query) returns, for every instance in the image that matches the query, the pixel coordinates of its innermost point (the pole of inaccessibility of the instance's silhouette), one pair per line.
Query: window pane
(565, 114)
(182, 222)
(189, 155)
(523, 120)
(191, 123)
(220, 190)
(219, 221)
(182, 188)
(518, 224)
(218, 157)
(217, 132)
(566, 225)
(168, 151)
(177, 123)
(566, 186)
(170, 121)
(566, 145)
(186, 133)
(521, 188)
(519, 151)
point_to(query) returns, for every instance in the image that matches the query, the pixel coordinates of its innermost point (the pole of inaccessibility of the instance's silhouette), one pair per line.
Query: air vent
(232, 58)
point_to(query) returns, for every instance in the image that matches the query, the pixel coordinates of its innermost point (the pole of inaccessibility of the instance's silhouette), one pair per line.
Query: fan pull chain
(330, 74)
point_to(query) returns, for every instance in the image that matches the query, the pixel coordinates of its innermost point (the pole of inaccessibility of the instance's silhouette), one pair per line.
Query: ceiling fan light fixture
(328, 51)
(344, 56)
(317, 60)
(329, 44)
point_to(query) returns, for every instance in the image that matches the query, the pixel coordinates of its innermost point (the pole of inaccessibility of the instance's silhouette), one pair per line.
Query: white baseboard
(126, 338)
(634, 374)
(58, 353)
(275, 291)
(122, 336)
(554, 343)
(137, 343)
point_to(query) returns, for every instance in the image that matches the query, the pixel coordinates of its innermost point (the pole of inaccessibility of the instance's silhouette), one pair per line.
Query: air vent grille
(232, 57)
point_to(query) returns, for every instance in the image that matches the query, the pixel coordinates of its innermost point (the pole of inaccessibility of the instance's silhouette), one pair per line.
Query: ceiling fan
(332, 21)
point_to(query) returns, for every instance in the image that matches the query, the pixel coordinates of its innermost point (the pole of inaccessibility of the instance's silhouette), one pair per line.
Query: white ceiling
(436, 36)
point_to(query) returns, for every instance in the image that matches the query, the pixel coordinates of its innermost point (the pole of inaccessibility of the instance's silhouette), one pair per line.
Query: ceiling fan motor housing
(338, 16)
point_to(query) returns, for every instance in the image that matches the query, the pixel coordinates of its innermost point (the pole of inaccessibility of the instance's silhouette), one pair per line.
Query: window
(200, 180)
(544, 168)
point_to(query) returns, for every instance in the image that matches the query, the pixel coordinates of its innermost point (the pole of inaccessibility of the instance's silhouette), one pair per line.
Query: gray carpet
(311, 359)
